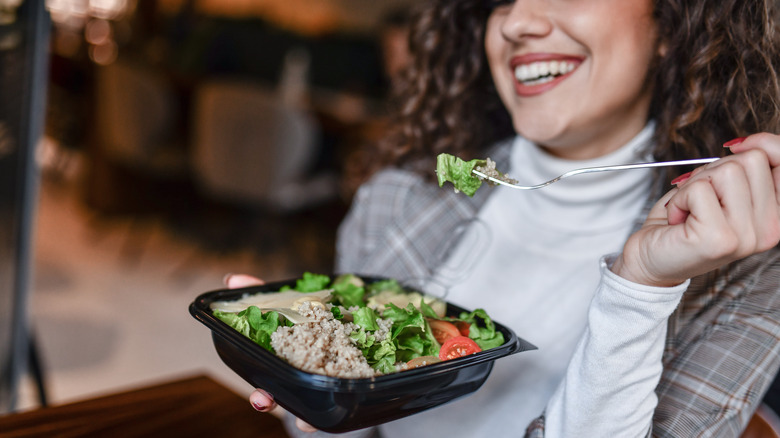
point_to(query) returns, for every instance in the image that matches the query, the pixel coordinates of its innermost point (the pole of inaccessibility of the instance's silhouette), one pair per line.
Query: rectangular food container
(338, 405)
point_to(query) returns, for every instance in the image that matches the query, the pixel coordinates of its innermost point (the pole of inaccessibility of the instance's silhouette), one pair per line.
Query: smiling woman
(630, 283)
(578, 113)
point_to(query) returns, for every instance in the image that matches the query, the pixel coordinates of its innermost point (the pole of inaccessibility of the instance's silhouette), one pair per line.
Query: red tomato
(443, 330)
(422, 361)
(458, 346)
(463, 327)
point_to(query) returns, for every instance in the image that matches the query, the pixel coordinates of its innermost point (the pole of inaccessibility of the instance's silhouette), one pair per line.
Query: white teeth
(544, 69)
(554, 67)
(540, 72)
(533, 70)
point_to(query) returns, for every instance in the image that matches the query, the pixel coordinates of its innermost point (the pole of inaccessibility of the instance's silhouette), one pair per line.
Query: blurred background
(180, 140)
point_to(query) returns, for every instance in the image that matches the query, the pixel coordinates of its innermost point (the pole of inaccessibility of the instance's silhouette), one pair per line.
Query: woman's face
(574, 73)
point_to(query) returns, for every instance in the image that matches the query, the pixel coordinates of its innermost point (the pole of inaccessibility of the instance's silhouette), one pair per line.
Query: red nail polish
(259, 407)
(682, 178)
(734, 142)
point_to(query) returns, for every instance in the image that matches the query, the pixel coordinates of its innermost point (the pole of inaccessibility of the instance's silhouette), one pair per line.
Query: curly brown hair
(716, 80)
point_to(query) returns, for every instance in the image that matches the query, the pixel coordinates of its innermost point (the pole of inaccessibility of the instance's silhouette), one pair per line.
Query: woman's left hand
(722, 212)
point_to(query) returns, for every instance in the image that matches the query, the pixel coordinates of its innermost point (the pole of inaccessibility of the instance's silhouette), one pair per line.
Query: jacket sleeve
(376, 204)
(725, 350)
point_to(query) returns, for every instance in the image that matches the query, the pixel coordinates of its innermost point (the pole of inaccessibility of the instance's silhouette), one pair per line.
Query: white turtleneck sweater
(600, 337)
(532, 260)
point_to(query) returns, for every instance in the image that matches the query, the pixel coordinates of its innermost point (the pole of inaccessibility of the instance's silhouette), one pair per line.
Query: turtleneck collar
(584, 202)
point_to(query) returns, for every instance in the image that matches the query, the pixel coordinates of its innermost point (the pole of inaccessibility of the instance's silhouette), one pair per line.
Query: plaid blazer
(722, 350)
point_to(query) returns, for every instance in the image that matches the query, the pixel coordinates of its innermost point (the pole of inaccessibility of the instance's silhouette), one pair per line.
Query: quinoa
(323, 346)
(489, 169)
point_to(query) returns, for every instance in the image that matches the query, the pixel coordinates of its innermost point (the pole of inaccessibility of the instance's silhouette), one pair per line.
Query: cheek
(493, 43)
(495, 48)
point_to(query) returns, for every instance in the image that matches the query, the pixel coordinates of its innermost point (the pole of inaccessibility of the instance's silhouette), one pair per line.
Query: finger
(682, 179)
(728, 177)
(740, 203)
(705, 223)
(658, 214)
(304, 426)
(769, 143)
(234, 281)
(763, 192)
(262, 401)
(763, 150)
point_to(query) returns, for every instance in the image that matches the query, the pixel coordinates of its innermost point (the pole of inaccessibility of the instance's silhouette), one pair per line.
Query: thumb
(659, 214)
(235, 281)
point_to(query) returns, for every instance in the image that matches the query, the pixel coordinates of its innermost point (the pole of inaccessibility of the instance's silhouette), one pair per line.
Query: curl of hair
(445, 101)
(717, 79)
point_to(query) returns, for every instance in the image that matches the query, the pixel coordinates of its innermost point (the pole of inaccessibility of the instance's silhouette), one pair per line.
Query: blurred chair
(135, 115)
(251, 147)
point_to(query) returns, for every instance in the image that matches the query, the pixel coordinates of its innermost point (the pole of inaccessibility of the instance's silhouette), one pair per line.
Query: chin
(538, 133)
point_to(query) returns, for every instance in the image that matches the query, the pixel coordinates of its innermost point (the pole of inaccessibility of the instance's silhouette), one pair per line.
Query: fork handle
(642, 165)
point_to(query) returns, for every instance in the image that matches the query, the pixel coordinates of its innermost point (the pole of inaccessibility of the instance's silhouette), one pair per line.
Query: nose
(527, 19)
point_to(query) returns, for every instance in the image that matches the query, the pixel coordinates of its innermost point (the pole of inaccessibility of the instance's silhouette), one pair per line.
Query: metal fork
(594, 170)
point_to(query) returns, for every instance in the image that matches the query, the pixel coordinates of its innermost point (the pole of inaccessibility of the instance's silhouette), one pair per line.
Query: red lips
(524, 90)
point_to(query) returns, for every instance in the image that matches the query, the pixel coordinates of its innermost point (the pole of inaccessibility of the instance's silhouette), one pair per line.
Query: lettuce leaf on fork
(458, 172)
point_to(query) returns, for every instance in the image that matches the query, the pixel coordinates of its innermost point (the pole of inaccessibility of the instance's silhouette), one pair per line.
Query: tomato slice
(422, 361)
(458, 346)
(443, 330)
(463, 327)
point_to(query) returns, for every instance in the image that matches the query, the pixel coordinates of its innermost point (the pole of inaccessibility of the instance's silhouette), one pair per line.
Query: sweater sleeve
(609, 386)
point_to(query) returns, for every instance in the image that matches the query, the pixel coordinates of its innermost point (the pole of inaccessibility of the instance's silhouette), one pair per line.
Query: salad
(450, 168)
(351, 327)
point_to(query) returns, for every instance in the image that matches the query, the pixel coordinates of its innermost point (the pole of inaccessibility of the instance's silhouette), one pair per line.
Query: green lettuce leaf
(482, 330)
(379, 355)
(240, 324)
(309, 283)
(410, 333)
(383, 285)
(252, 323)
(458, 172)
(365, 318)
(349, 295)
(312, 282)
(427, 310)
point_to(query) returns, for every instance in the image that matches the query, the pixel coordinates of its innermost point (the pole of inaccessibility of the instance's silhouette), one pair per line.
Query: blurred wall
(306, 16)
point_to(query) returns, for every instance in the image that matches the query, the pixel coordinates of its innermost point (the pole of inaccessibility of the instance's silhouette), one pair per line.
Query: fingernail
(734, 142)
(682, 178)
(667, 203)
(226, 278)
(259, 407)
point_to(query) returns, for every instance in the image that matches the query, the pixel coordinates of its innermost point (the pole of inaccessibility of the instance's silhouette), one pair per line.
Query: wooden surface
(191, 407)
(764, 424)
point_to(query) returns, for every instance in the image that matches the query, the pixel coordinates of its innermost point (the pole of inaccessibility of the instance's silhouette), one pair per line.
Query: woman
(675, 331)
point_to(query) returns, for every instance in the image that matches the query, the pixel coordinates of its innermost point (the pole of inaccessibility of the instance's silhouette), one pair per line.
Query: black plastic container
(337, 404)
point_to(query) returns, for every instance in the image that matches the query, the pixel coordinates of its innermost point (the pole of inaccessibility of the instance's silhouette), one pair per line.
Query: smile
(537, 73)
(542, 72)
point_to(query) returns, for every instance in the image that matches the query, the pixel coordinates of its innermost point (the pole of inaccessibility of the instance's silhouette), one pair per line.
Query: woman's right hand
(721, 212)
(261, 401)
